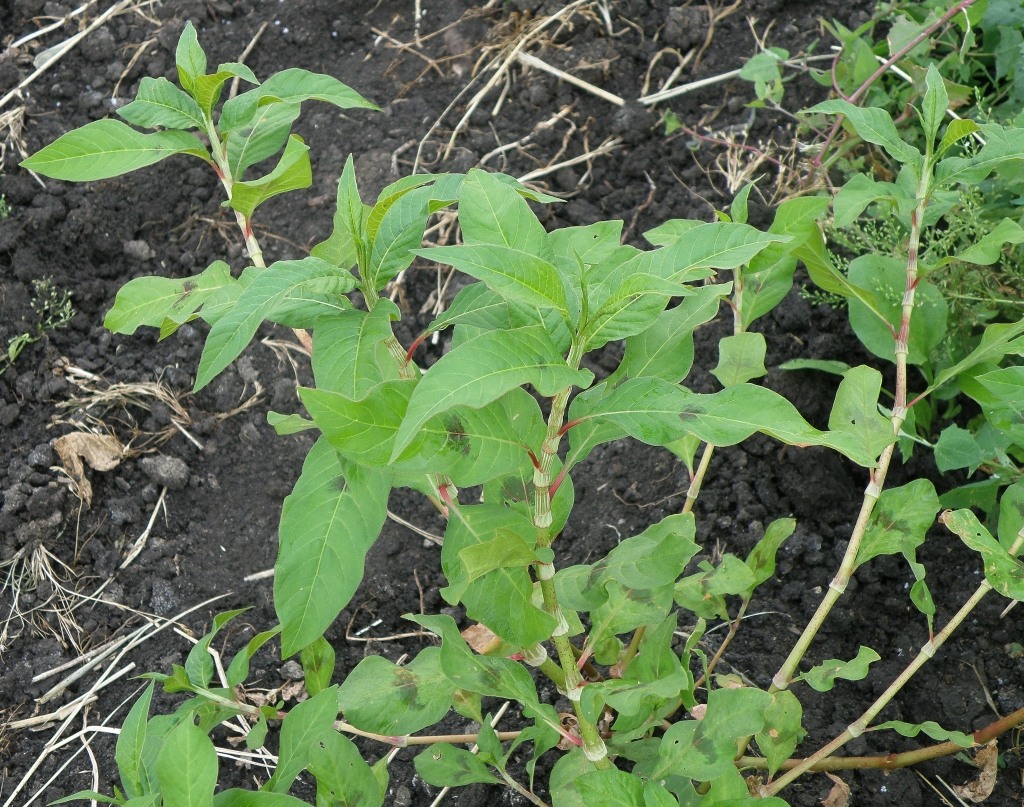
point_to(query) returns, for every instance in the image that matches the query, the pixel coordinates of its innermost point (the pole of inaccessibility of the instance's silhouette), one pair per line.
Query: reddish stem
(416, 343)
(569, 425)
(556, 483)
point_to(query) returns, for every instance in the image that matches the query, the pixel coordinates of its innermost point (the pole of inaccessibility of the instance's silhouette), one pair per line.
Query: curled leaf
(101, 452)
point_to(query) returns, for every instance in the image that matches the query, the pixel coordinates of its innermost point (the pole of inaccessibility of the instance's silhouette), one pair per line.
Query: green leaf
(875, 328)
(957, 448)
(381, 697)
(238, 669)
(875, 126)
(626, 609)
(997, 340)
(443, 765)
(935, 102)
(349, 351)
(740, 358)
(232, 333)
(289, 424)
(958, 129)
(260, 137)
(855, 412)
(207, 88)
(236, 797)
(199, 663)
(1001, 401)
(400, 232)
(782, 730)
(761, 560)
(295, 85)
(301, 732)
(1011, 514)
(622, 309)
(1002, 148)
(611, 788)
(160, 103)
(317, 665)
(108, 148)
(128, 751)
(824, 365)
(83, 795)
(189, 57)
(823, 677)
(859, 192)
(900, 521)
(292, 172)
(328, 522)
(718, 245)
(347, 245)
(1002, 570)
(930, 728)
(343, 779)
(493, 213)
(186, 767)
(989, 248)
(483, 369)
(653, 558)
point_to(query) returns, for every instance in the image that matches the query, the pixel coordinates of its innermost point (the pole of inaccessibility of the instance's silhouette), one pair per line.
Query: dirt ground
(205, 475)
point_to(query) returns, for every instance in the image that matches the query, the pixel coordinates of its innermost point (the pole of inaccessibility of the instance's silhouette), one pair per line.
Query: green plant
(52, 309)
(540, 303)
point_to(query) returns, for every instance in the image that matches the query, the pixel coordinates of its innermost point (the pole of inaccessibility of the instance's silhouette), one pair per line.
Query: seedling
(644, 729)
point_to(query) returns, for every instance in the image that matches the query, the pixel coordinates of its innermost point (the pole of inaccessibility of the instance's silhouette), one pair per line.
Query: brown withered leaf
(980, 788)
(839, 795)
(101, 452)
(481, 638)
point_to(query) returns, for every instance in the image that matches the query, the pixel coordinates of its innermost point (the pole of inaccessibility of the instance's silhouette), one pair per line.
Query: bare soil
(227, 476)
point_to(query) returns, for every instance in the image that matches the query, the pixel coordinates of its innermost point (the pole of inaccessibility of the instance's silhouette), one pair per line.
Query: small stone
(169, 472)
(8, 414)
(41, 457)
(291, 671)
(138, 251)
(163, 600)
(402, 797)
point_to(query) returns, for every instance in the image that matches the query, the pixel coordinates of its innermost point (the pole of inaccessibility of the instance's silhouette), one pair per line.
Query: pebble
(164, 600)
(169, 472)
(291, 671)
(138, 251)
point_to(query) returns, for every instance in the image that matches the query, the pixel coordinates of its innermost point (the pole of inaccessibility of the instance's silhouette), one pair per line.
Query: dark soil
(224, 498)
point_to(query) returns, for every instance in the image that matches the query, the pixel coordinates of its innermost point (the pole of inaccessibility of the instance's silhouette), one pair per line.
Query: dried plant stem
(928, 650)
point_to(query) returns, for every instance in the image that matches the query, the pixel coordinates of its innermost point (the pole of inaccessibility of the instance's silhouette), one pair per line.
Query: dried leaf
(839, 795)
(101, 452)
(481, 638)
(980, 788)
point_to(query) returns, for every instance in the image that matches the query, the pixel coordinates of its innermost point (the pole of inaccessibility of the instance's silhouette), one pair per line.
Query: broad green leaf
(400, 231)
(443, 765)
(740, 358)
(958, 129)
(507, 550)
(998, 340)
(292, 172)
(328, 522)
(611, 788)
(156, 300)
(491, 212)
(160, 103)
(934, 104)
(828, 278)
(568, 770)
(718, 245)
(108, 148)
(765, 289)
(301, 732)
(186, 767)
(394, 192)
(130, 741)
(859, 192)
(665, 349)
(238, 669)
(350, 356)
(1011, 514)
(957, 448)
(653, 558)
(384, 698)
(887, 277)
(627, 301)
(588, 244)
(626, 609)
(199, 663)
(989, 249)
(207, 88)
(1002, 570)
(704, 593)
(761, 560)
(480, 307)
(900, 521)
(875, 126)
(516, 275)
(783, 729)
(855, 412)
(824, 365)
(189, 57)
(1003, 147)
(483, 369)
(929, 728)
(823, 677)
(501, 599)
(343, 779)
(295, 85)
(236, 797)
(1001, 400)
(317, 665)
(233, 332)
(260, 137)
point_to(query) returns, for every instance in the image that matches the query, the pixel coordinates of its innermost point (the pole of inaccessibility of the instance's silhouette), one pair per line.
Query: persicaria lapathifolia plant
(643, 729)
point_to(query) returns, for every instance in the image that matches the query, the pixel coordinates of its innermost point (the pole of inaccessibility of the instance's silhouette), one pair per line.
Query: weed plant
(650, 722)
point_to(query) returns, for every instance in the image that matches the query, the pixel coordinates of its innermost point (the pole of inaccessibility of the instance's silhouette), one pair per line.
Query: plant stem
(734, 626)
(928, 650)
(904, 759)
(876, 480)
(693, 491)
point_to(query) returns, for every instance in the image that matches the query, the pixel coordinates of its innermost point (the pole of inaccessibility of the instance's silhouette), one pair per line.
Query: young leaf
(128, 751)
(186, 767)
(935, 103)
(483, 369)
(491, 212)
(260, 137)
(957, 448)
(301, 733)
(343, 779)
(859, 192)
(236, 797)
(206, 89)
(295, 85)
(1003, 147)
(655, 557)
(347, 244)
(626, 609)
(989, 248)
(1002, 570)
(929, 728)
(232, 332)
(823, 677)
(740, 358)
(328, 522)
(108, 148)
(443, 765)
(160, 104)
(1011, 514)
(957, 130)
(317, 665)
(998, 340)
(782, 730)
(292, 172)
(824, 365)
(718, 245)
(238, 670)
(199, 663)
(289, 424)
(875, 126)
(761, 560)
(381, 697)
(855, 412)
(189, 57)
